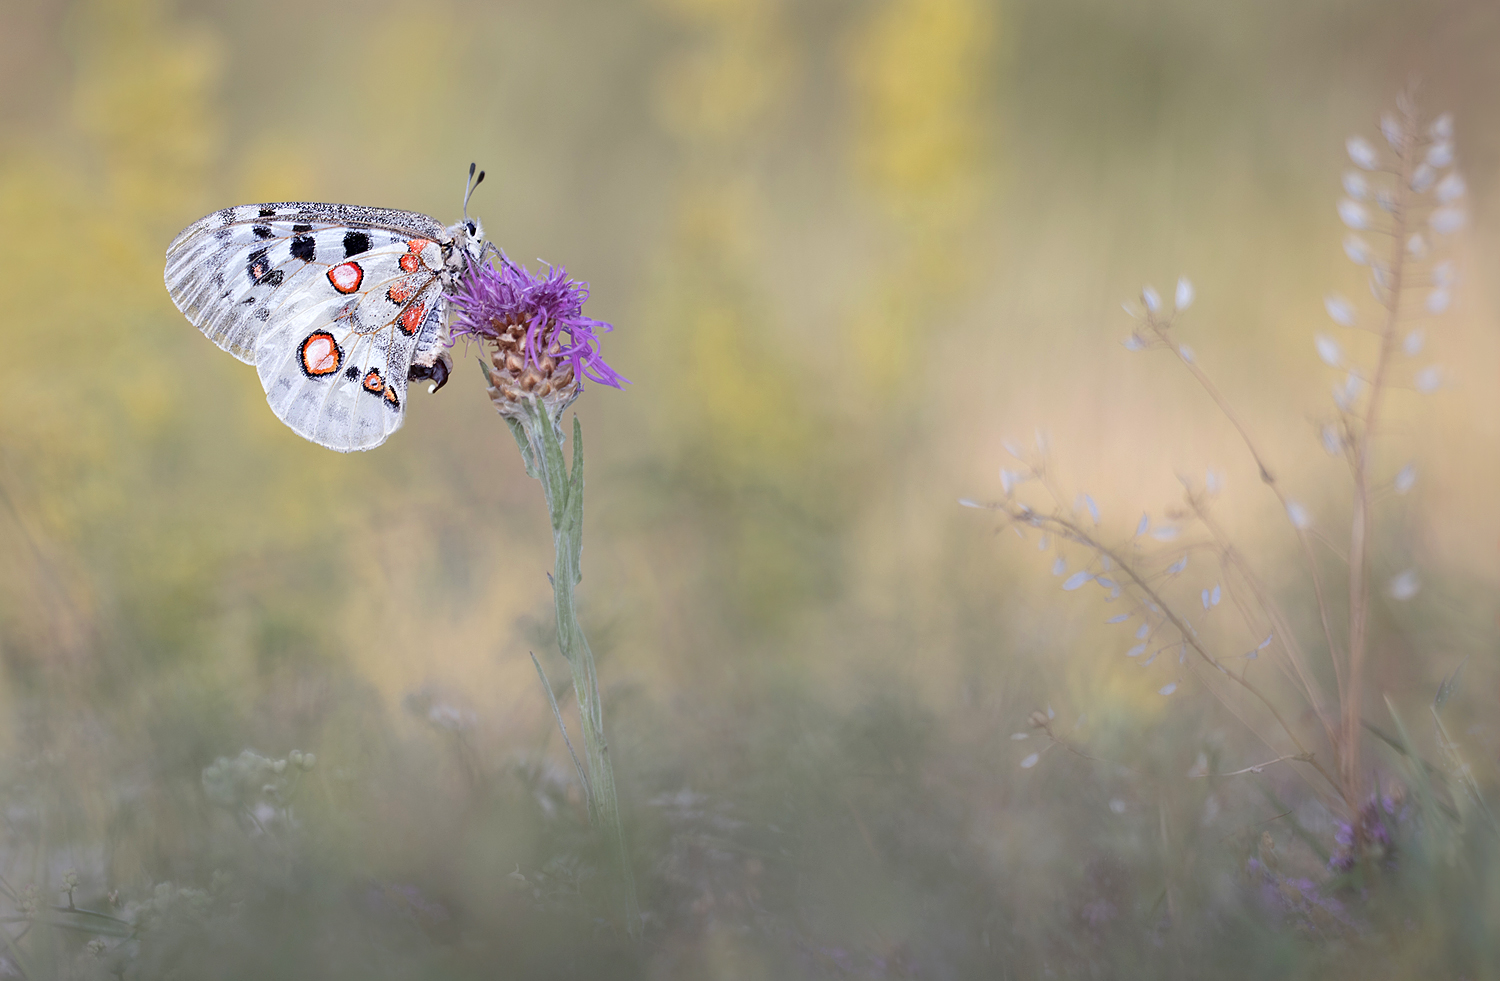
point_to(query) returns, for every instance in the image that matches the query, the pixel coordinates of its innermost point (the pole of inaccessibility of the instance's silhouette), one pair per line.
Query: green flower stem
(540, 438)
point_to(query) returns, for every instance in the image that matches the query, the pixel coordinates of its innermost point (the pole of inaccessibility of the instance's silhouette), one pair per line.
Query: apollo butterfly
(337, 306)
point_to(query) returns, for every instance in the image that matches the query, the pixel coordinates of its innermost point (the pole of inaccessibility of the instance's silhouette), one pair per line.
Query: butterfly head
(468, 234)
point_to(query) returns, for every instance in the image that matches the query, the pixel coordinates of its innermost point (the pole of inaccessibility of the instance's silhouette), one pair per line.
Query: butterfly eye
(472, 229)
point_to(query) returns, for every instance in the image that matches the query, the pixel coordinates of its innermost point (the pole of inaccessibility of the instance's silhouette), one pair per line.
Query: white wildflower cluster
(1401, 202)
(255, 783)
(1408, 197)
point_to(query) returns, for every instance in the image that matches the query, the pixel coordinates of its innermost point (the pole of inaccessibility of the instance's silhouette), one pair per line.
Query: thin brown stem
(1359, 537)
(1163, 331)
(1076, 532)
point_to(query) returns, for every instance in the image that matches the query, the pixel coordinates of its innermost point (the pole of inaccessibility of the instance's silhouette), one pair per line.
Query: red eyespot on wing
(412, 261)
(399, 293)
(320, 354)
(411, 318)
(346, 277)
(373, 382)
(390, 398)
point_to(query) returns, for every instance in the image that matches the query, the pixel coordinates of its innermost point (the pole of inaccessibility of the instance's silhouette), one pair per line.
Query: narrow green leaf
(557, 714)
(1450, 684)
(518, 430)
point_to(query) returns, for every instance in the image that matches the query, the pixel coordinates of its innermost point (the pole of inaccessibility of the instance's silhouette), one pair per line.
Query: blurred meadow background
(850, 249)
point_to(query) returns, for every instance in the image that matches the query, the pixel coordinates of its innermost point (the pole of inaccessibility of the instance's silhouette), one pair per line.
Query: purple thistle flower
(542, 342)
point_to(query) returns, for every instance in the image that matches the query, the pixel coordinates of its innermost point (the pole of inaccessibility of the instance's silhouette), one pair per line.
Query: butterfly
(338, 306)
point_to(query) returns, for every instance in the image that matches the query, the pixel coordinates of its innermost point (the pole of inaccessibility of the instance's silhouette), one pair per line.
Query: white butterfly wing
(329, 302)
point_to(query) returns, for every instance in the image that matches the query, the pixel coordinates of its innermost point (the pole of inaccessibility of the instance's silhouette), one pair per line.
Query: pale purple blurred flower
(1362, 153)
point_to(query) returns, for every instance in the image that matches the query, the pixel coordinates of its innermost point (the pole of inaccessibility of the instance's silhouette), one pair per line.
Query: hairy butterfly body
(337, 306)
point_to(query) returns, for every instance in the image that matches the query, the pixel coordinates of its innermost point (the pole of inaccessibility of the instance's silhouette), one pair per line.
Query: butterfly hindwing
(331, 303)
(334, 366)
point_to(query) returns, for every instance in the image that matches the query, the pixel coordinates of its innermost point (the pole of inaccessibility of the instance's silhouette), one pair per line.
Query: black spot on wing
(300, 228)
(258, 268)
(304, 247)
(352, 374)
(355, 243)
(263, 313)
(261, 231)
(267, 212)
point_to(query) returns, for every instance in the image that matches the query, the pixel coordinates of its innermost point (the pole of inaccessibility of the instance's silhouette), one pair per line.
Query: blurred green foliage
(850, 248)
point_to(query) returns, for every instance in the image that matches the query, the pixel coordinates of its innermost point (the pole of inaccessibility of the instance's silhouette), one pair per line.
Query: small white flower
(964, 502)
(1354, 214)
(1132, 309)
(1166, 533)
(1177, 567)
(1214, 596)
(1136, 651)
(1333, 442)
(1405, 586)
(1429, 379)
(1168, 688)
(1076, 580)
(1213, 480)
(1451, 188)
(1357, 250)
(1440, 155)
(1355, 185)
(1186, 353)
(1438, 300)
(1340, 309)
(1120, 618)
(1416, 246)
(1347, 392)
(1133, 343)
(1142, 631)
(1117, 805)
(1300, 518)
(1145, 523)
(1447, 220)
(1008, 481)
(1093, 508)
(1030, 761)
(1018, 736)
(1184, 298)
(1151, 298)
(1423, 177)
(1059, 566)
(1406, 479)
(1386, 200)
(1362, 153)
(1205, 599)
(1413, 343)
(1329, 350)
(1442, 127)
(1390, 127)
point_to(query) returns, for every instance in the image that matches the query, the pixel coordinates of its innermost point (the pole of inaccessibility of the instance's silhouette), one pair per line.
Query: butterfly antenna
(469, 187)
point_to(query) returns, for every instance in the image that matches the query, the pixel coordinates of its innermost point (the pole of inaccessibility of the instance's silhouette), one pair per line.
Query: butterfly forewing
(331, 303)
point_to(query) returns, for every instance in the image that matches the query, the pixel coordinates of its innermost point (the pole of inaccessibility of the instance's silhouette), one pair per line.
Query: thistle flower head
(533, 327)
